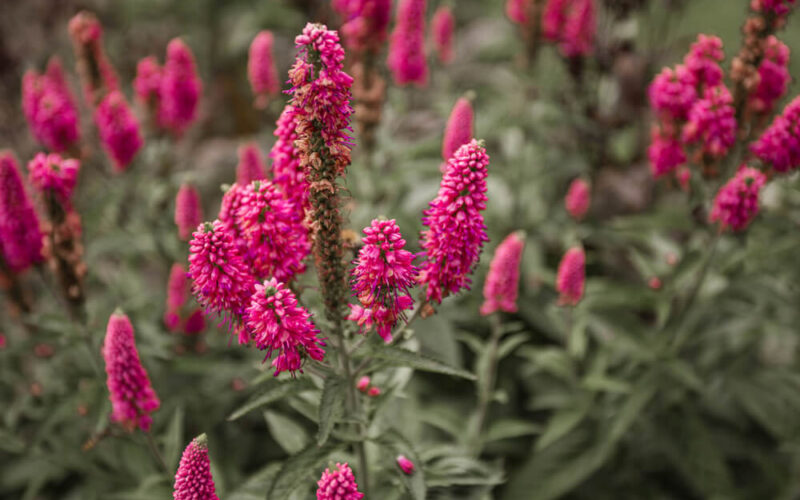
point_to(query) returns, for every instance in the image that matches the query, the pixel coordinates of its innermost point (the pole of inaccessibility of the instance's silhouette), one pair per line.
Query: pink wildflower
(455, 235)
(405, 464)
(779, 145)
(383, 273)
(665, 151)
(221, 281)
(49, 107)
(277, 323)
(571, 24)
(578, 198)
(261, 69)
(703, 60)
(177, 293)
(118, 129)
(339, 484)
(778, 7)
(518, 11)
(712, 120)
(459, 128)
(188, 211)
(773, 73)
(672, 92)
(407, 45)
(180, 88)
(274, 233)
(21, 238)
(363, 383)
(95, 70)
(147, 83)
(365, 23)
(443, 25)
(736, 203)
(374, 392)
(132, 396)
(502, 283)
(654, 283)
(195, 323)
(193, 479)
(53, 176)
(571, 277)
(250, 167)
(287, 172)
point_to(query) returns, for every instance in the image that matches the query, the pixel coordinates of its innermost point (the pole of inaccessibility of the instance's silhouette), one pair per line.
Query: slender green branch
(157, 454)
(485, 396)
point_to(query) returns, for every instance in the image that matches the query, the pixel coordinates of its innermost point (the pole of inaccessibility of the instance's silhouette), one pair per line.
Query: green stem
(352, 406)
(485, 396)
(157, 454)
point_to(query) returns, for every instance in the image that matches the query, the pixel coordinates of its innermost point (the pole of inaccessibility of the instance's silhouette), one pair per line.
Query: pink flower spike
(21, 238)
(365, 23)
(339, 484)
(712, 121)
(49, 107)
(193, 479)
(779, 145)
(665, 151)
(195, 323)
(181, 88)
(673, 92)
(363, 383)
(147, 83)
(459, 128)
(287, 173)
(703, 61)
(778, 7)
(773, 76)
(177, 293)
(571, 277)
(518, 11)
(97, 74)
(251, 166)
(118, 129)
(571, 24)
(132, 396)
(407, 45)
(443, 26)
(188, 211)
(53, 176)
(578, 198)
(261, 69)
(455, 231)
(502, 283)
(276, 322)
(405, 464)
(736, 203)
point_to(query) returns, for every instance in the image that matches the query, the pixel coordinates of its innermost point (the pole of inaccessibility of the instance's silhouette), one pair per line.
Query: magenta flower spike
(518, 11)
(97, 74)
(287, 173)
(261, 69)
(502, 283)
(181, 88)
(147, 84)
(251, 166)
(21, 238)
(773, 73)
(54, 176)
(132, 396)
(571, 277)
(188, 211)
(381, 278)
(118, 129)
(673, 91)
(193, 479)
(221, 279)
(578, 198)
(455, 231)
(779, 145)
(364, 23)
(177, 293)
(571, 24)
(778, 7)
(338, 484)
(665, 152)
(712, 122)
(736, 203)
(703, 60)
(49, 107)
(407, 60)
(406, 465)
(459, 129)
(277, 323)
(443, 26)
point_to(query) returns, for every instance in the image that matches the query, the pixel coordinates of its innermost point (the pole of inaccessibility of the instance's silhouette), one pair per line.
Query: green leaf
(331, 406)
(300, 468)
(286, 431)
(173, 438)
(397, 356)
(511, 428)
(274, 392)
(563, 421)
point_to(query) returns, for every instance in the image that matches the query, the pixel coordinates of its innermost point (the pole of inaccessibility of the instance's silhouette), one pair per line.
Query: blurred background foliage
(668, 393)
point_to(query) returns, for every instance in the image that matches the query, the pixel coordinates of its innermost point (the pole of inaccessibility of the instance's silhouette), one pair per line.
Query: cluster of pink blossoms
(261, 70)
(455, 231)
(277, 323)
(779, 145)
(21, 238)
(365, 23)
(773, 76)
(286, 169)
(443, 25)
(382, 275)
(502, 283)
(49, 107)
(54, 176)
(147, 83)
(407, 45)
(571, 24)
(118, 129)
(578, 198)
(132, 396)
(712, 122)
(188, 211)
(338, 484)
(736, 203)
(193, 479)
(571, 277)
(251, 166)
(459, 128)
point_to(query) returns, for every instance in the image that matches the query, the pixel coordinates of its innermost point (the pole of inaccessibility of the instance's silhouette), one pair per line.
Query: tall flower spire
(382, 275)
(118, 129)
(188, 210)
(321, 101)
(49, 107)
(287, 171)
(571, 277)
(261, 69)
(455, 231)
(20, 234)
(407, 60)
(365, 23)
(443, 26)
(459, 129)
(132, 396)
(177, 292)
(251, 166)
(502, 283)
(571, 24)
(193, 479)
(96, 72)
(181, 88)
(578, 198)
